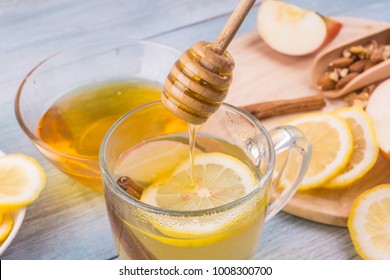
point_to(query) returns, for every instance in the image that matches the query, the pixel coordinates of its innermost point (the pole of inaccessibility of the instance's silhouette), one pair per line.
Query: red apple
(292, 30)
(378, 108)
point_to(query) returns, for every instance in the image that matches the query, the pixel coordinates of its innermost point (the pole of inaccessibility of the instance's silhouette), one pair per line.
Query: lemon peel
(5, 227)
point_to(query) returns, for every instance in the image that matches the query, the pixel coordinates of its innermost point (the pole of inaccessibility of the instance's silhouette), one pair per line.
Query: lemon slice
(21, 181)
(365, 147)
(369, 223)
(5, 227)
(220, 179)
(331, 140)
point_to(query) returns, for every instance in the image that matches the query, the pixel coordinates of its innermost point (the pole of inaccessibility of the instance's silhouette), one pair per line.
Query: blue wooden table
(69, 221)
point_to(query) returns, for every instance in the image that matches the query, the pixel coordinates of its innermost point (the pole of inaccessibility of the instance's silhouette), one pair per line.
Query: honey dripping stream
(192, 139)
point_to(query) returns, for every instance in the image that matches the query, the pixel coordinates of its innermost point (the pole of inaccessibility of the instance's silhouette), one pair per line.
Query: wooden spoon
(199, 81)
(374, 74)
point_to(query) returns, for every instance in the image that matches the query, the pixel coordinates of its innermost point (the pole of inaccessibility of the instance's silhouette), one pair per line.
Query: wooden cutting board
(261, 74)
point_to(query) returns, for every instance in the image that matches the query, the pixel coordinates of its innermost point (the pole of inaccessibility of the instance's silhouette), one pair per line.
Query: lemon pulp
(219, 179)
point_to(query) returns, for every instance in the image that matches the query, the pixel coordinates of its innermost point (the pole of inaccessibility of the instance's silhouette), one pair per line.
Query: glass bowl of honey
(67, 102)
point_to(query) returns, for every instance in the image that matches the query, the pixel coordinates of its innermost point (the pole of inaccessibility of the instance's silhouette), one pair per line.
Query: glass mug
(230, 231)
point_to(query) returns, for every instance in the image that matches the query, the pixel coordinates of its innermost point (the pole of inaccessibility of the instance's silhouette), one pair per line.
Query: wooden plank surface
(286, 237)
(261, 74)
(68, 221)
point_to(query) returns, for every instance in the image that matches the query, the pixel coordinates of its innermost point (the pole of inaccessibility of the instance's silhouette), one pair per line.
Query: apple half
(291, 30)
(378, 108)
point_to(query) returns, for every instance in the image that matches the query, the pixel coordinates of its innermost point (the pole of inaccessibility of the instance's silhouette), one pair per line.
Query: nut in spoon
(372, 75)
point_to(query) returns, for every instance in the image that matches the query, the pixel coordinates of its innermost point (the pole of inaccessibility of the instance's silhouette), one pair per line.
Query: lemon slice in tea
(219, 179)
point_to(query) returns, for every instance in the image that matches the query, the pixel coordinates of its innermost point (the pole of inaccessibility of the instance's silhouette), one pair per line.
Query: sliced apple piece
(152, 160)
(378, 108)
(291, 30)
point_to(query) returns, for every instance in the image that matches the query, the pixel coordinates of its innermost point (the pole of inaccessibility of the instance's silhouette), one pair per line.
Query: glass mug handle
(288, 138)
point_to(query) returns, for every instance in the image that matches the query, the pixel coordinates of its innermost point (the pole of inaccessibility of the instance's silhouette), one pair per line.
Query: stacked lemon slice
(21, 181)
(344, 148)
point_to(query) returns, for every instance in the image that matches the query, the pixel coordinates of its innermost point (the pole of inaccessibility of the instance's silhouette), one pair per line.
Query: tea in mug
(222, 174)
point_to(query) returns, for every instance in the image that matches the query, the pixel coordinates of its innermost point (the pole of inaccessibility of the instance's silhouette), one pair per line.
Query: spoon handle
(231, 27)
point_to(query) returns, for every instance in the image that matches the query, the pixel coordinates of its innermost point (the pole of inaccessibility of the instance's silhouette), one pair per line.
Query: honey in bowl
(75, 124)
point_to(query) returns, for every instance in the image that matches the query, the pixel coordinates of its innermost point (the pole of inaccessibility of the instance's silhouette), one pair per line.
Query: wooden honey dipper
(199, 81)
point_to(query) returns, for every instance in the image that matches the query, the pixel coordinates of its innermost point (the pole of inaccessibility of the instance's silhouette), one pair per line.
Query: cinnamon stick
(269, 109)
(130, 186)
(132, 246)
